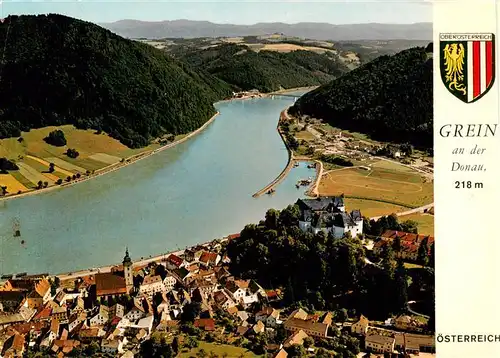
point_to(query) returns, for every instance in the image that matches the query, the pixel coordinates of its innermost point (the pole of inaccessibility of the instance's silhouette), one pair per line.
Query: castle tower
(127, 270)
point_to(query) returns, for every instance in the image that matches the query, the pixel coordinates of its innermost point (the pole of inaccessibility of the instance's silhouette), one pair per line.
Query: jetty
(289, 165)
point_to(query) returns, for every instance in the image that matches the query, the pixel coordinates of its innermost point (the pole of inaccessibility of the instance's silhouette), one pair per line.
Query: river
(194, 192)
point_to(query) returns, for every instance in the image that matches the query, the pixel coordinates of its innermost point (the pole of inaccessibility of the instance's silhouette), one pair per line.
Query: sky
(235, 12)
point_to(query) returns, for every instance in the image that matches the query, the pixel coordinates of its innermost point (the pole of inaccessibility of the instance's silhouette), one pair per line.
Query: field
(395, 186)
(218, 349)
(425, 222)
(370, 208)
(284, 47)
(33, 156)
(13, 186)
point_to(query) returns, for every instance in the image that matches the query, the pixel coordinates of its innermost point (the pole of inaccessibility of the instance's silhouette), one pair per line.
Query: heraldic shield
(467, 64)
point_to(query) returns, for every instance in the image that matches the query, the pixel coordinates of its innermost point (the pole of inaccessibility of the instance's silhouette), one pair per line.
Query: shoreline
(113, 167)
(312, 190)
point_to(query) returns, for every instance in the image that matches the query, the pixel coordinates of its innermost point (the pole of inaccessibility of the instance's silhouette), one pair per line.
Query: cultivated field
(284, 47)
(33, 156)
(13, 186)
(400, 187)
(33, 175)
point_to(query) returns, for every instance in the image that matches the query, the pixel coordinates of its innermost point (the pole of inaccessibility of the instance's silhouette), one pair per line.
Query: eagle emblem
(467, 64)
(454, 54)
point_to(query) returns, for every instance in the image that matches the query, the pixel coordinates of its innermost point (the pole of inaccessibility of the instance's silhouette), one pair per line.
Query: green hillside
(266, 71)
(389, 98)
(58, 70)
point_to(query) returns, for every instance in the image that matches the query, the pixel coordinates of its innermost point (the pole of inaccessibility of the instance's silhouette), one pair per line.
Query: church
(117, 283)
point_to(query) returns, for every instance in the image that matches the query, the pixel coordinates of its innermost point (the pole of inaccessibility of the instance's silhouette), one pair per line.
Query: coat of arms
(467, 63)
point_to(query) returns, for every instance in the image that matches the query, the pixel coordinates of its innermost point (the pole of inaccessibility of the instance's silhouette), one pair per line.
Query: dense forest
(389, 98)
(266, 71)
(319, 272)
(58, 70)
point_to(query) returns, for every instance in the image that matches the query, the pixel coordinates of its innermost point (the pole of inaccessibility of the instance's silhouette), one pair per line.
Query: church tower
(127, 271)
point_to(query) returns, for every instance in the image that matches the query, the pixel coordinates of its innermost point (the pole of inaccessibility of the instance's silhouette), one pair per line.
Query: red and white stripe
(479, 68)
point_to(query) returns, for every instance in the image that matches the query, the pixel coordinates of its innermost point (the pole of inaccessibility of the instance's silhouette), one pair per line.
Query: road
(420, 209)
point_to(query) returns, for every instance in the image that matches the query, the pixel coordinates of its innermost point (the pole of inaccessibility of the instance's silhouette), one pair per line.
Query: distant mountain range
(310, 30)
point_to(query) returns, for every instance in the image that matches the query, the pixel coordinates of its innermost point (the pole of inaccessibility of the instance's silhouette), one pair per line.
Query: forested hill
(266, 71)
(389, 98)
(59, 70)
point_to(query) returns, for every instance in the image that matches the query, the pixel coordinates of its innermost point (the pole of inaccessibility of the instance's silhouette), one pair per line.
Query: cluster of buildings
(120, 309)
(328, 214)
(409, 244)
(401, 335)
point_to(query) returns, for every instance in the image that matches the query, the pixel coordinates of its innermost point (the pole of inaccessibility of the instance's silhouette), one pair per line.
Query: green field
(370, 208)
(425, 222)
(218, 349)
(396, 185)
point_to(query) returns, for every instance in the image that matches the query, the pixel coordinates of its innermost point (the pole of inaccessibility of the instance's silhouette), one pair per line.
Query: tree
(39, 185)
(59, 181)
(191, 311)
(423, 252)
(341, 315)
(6, 165)
(409, 226)
(51, 167)
(271, 220)
(308, 342)
(56, 138)
(4, 190)
(45, 184)
(296, 350)
(396, 244)
(72, 153)
(401, 287)
(201, 353)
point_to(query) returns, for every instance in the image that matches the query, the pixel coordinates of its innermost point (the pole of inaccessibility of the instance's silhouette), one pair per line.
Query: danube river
(194, 192)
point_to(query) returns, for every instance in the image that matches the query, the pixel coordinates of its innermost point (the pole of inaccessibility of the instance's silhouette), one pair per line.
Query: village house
(222, 300)
(117, 310)
(259, 327)
(207, 324)
(407, 323)
(281, 354)
(237, 289)
(193, 254)
(360, 326)
(269, 316)
(209, 259)
(100, 318)
(379, 344)
(115, 284)
(296, 338)
(328, 214)
(151, 285)
(169, 282)
(174, 262)
(14, 346)
(301, 320)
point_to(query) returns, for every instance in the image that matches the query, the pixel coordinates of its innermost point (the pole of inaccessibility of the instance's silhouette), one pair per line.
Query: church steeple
(127, 271)
(126, 260)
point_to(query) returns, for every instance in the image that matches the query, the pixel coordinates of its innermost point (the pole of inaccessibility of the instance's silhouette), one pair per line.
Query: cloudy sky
(236, 12)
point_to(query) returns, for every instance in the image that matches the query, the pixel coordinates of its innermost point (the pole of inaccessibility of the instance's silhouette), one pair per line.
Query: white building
(151, 285)
(328, 214)
(169, 283)
(379, 344)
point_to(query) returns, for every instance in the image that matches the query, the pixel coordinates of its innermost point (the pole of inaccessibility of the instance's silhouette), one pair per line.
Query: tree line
(98, 80)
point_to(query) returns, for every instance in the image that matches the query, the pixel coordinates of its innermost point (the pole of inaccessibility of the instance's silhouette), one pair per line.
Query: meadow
(398, 185)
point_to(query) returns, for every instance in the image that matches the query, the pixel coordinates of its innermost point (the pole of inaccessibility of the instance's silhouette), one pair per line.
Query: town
(191, 304)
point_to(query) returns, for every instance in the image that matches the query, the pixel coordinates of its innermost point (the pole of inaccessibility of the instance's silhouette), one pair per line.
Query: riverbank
(113, 167)
(313, 191)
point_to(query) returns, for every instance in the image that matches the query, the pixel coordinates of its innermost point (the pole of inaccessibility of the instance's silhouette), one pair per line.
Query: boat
(271, 191)
(297, 185)
(296, 164)
(311, 166)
